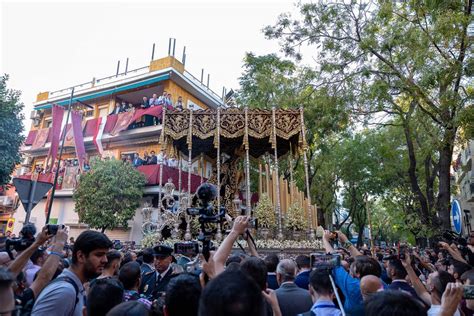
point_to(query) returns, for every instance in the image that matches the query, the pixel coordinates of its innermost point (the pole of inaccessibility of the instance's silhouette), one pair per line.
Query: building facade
(97, 99)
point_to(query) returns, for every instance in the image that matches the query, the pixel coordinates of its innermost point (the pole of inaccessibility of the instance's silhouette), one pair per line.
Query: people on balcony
(153, 159)
(179, 104)
(154, 100)
(137, 161)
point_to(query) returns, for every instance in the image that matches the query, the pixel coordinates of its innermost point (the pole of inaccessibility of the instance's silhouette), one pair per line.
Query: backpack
(27, 307)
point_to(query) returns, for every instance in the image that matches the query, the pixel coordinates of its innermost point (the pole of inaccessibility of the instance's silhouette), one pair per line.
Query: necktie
(158, 279)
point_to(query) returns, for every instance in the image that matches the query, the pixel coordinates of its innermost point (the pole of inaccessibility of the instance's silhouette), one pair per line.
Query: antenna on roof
(183, 60)
(208, 78)
(153, 52)
(169, 47)
(126, 66)
(174, 45)
(118, 68)
(202, 74)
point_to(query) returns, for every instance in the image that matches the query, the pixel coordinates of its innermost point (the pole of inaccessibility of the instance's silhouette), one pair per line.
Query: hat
(162, 251)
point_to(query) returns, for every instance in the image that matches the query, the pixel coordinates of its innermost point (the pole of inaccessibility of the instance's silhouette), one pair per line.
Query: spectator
(88, 260)
(103, 296)
(111, 268)
(37, 258)
(369, 285)
(457, 269)
(148, 260)
(116, 109)
(145, 157)
(393, 303)
(322, 294)
(272, 262)
(467, 306)
(129, 257)
(257, 270)
(153, 159)
(184, 288)
(179, 104)
(123, 107)
(6, 292)
(291, 299)
(398, 274)
(131, 308)
(153, 100)
(349, 284)
(137, 161)
(145, 104)
(162, 98)
(302, 278)
(169, 102)
(231, 294)
(129, 276)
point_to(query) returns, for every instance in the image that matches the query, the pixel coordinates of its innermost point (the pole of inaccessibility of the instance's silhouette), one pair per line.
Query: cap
(162, 251)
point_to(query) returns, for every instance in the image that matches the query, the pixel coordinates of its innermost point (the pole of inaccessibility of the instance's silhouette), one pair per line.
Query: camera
(53, 229)
(325, 261)
(206, 193)
(27, 238)
(186, 248)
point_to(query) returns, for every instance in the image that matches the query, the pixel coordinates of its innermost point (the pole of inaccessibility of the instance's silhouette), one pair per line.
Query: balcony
(133, 132)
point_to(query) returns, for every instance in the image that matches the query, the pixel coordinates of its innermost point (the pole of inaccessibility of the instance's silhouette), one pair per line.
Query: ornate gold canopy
(260, 131)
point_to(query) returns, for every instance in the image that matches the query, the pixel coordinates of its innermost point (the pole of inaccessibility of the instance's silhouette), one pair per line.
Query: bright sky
(46, 46)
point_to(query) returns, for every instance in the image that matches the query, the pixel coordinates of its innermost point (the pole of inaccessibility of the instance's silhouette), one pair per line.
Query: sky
(47, 46)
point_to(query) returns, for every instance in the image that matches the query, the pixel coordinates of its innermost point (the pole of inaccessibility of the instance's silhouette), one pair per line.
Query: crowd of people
(164, 100)
(150, 159)
(93, 276)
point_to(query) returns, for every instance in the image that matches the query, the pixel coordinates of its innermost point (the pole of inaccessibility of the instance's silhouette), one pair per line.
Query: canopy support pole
(306, 173)
(276, 181)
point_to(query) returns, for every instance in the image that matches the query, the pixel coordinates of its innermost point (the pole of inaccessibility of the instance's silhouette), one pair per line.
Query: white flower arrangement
(265, 213)
(295, 218)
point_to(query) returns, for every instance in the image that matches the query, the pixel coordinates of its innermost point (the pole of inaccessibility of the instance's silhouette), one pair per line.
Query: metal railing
(120, 76)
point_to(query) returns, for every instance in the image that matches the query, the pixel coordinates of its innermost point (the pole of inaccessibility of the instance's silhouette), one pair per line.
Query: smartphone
(468, 292)
(53, 229)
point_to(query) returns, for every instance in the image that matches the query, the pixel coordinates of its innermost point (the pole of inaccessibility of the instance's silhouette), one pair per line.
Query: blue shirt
(350, 287)
(325, 308)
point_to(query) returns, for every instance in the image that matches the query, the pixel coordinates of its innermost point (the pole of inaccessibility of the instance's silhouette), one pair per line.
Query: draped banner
(69, 139)
(76, 119)
(58, 114)
(123, 120)
(40, 139)
(127, 118)
(99, 131)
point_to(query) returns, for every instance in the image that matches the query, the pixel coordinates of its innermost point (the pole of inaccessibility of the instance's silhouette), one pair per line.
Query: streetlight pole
(370, 225)
(53, 190)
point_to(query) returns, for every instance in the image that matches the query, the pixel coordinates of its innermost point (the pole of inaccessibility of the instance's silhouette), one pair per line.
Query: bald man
(370, 284)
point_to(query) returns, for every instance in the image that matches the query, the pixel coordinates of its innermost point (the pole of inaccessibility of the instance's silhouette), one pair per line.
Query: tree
(11, 129)
(271, 81)
(377, 53)
(109, 194)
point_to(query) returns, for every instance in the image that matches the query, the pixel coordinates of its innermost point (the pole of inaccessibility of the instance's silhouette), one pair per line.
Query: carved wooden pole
(276, 182)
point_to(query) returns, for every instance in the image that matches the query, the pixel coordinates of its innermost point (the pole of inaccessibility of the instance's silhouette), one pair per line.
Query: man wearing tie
(154, 283)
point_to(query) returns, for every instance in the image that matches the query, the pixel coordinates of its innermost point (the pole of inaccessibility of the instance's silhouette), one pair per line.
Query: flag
(99, 131)
(123, 120)
(40, 139)
(58, 114)
(76, 119)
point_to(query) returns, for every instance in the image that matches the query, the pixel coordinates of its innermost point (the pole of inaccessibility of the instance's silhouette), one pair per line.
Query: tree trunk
(360, 236)
(444, 192)
(102, 230)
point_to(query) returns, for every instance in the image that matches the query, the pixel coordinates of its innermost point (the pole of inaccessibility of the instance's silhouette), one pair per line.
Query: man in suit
(153, 160)
(302, 279)
(272, 262)
(397, 273)
(292, 299)
(148, 260)
(154, 283)
(137, 161)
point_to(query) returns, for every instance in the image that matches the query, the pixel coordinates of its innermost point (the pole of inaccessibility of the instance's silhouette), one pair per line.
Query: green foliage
(295, 218)
(11, 129)
(109, 194)
(265, 212)
(405, 63)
